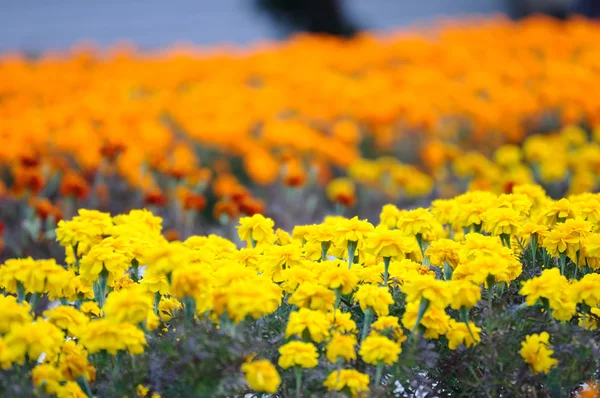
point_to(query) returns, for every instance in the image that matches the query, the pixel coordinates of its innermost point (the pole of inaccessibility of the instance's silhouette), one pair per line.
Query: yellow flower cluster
(340, 279)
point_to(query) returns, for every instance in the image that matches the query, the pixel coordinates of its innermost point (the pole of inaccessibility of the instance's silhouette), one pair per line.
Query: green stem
(447, 271)
(464, 315)
(20, 292)
(101, 292)
(420, 242)
(423, 305)
(34, 300)
(190, 309)
(533, 243)
(298, 372)
(135, 275)
(324, 249)
(352, 244)
(563, 262)
(386, 268)
(367, 323)
(156, 302)
(378, 373)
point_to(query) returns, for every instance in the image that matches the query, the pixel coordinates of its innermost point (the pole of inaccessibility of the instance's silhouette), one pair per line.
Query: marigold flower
(298, 353)
(73, 362)
(261, 376)
(388, 326)
(68, 319)
(436, 291)
(341, 346)
(414, 222)
(341, 322)
(254, 297)
(389, 216)
(341, 191)
(464, 294)
(501, 221)
(375, 297)
(255, 229)
(388, 243)
(313, 296)
(559, 211)
(377, 349)
(130, 305)
(435, 320)
(537, 352)
(49, 375)
(586, 290)
(315, 323)
(357, 383)
(443, 250)
(458, 333)
(336, 275)
(105, 335)
(30, 340)
(13, 314)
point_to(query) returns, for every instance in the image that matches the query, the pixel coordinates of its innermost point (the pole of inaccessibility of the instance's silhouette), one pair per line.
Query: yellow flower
(341, 191)
(315, 323)
(141, 391)
(389, 216)
(377, 349)
(68, 319)
(73, 362)
(298, 353)
(470, 206)
(167, 307)
(417, 221)
(351, 379)
(458, 333)
(112, 254)
(590, 322)
(562, 240)
(443, 250)
(537, 352)
(255, 297)
(501, 221)
(130, 305)
(104, 335)
(435, 320)
(91, 308)
(352, 230)
(255, 229)
(559, 211)
(341, 346)
(389, 327)
(389, 243)
(261, 376)
(313, 296)
(195, 282)
(427, 287)
(464, 293)
(341, 322)
(377, 298)
(586, 290)
(444, 210)
(32, 339)
(13, 313)
(6, 356)
(70, 390)
(49, 375)
(337, 276)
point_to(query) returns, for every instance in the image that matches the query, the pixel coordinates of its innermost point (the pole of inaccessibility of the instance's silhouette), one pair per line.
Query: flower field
(404, 215)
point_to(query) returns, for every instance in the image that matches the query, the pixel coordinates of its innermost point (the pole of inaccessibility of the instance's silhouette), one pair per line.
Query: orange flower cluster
(291, 111)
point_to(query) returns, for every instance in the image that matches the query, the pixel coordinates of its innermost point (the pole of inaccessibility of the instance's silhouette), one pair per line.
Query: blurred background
(33, 25)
